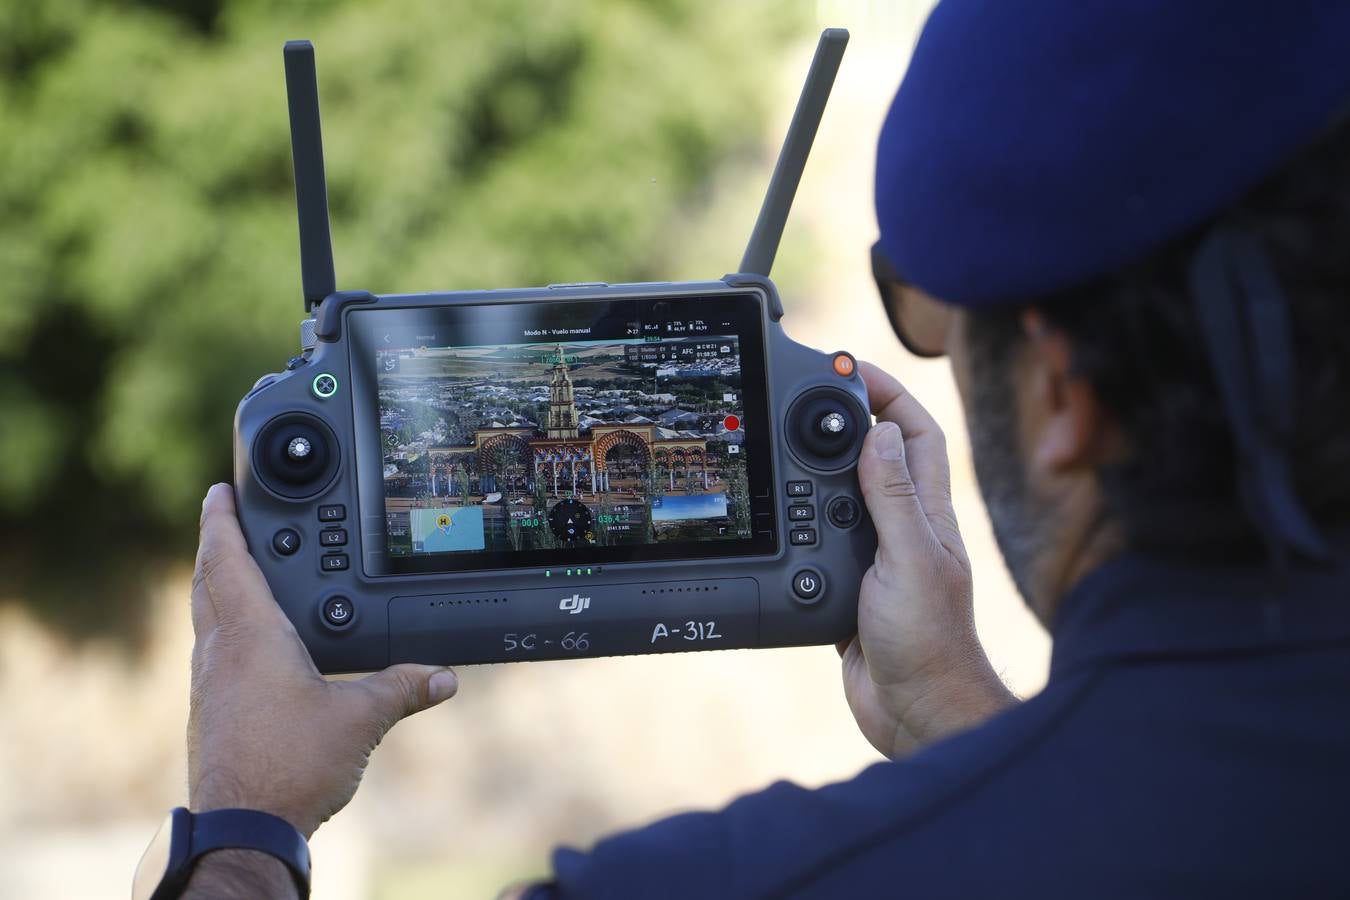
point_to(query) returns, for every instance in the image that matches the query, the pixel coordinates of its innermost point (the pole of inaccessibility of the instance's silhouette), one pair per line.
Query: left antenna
(311, 190)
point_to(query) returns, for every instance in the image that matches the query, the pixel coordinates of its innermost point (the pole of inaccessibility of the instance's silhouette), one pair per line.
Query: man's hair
(1137, 340)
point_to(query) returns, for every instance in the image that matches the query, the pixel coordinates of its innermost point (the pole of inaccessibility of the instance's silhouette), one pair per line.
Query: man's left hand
(266, 731)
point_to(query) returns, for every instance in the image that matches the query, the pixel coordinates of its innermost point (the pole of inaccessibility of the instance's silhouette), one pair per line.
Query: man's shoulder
(781, 840)
(1129, 779)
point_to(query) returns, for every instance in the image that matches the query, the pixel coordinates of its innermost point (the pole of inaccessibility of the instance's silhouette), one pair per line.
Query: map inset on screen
(448, 528)
(546, 445)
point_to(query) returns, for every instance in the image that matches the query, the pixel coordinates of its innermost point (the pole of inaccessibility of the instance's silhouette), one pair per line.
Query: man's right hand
(916, 671)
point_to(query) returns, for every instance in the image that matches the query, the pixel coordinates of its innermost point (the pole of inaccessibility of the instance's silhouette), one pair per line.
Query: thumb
(399, 691)
(889, 492)
(227, 586)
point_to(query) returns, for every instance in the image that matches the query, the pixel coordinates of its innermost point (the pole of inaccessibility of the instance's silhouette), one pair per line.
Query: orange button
(843, 364)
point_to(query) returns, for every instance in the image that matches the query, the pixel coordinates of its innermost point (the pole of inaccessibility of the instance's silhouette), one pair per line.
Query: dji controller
(554, 472)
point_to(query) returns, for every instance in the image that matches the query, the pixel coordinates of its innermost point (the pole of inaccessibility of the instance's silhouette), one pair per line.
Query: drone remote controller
(566, 471)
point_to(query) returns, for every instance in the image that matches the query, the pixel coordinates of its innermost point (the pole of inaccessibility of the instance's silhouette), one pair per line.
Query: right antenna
(311, 190)
(787, 173)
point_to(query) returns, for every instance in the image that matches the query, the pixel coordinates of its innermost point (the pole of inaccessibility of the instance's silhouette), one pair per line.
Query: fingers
(924, 452)
(399, 691)
(890, 493)
(925, 444)
(227, 586)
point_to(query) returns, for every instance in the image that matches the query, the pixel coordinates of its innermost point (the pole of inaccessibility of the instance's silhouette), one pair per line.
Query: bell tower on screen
(562, 408)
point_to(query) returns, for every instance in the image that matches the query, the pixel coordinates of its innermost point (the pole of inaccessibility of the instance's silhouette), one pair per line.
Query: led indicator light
(324, 385)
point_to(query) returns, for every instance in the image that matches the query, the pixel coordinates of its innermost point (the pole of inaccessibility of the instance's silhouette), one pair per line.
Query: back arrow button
(286, 541)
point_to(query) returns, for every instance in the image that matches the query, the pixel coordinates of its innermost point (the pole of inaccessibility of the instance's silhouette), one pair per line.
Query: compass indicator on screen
(570, 521)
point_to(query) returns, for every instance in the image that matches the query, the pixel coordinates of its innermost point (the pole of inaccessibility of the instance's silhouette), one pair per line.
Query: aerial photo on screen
(572, 444)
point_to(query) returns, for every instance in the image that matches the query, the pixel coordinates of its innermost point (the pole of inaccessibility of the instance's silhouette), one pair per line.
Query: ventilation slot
(473, 601)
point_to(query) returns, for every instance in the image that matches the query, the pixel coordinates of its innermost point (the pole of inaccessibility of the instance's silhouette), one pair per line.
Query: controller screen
(561, 430)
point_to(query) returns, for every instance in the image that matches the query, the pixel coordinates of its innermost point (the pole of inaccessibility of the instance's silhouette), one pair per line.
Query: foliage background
(147, 222)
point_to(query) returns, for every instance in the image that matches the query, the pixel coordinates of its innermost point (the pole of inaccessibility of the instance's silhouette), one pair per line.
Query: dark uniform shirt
(1193, 740)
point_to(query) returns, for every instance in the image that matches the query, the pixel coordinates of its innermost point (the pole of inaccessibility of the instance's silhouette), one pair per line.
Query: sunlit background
(148, 275)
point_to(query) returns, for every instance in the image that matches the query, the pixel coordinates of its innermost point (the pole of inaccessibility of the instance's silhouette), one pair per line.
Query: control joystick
(295, 456)
(825, 428)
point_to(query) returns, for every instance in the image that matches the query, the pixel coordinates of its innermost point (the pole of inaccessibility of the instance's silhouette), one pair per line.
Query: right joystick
(825, 428)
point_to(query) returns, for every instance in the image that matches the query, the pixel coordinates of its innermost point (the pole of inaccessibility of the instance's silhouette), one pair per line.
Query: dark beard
(992, 418)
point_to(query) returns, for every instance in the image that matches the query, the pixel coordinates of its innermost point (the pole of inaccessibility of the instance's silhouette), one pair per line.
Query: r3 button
(807, 585)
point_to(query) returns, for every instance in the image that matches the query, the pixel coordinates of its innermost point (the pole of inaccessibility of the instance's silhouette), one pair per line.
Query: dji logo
(574, 604)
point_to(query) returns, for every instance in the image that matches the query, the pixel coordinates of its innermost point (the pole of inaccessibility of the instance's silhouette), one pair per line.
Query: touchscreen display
(549, 431)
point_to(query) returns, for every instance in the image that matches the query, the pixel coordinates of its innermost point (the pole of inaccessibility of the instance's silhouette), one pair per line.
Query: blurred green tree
(148, 266)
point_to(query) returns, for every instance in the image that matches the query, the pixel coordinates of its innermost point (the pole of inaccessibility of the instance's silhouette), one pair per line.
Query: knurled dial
(825, 427)
(299, 448)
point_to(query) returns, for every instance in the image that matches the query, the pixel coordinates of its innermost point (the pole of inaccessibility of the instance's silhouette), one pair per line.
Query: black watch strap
(250, 829)
(168, 863)
(196, 834)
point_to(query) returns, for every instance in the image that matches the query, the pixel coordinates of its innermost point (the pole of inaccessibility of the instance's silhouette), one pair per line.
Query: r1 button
(806, 584)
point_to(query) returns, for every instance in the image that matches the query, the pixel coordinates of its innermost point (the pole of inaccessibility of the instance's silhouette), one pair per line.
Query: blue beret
(1036, 145)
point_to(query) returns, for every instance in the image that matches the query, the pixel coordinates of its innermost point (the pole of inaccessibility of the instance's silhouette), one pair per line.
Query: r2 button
(807, 585)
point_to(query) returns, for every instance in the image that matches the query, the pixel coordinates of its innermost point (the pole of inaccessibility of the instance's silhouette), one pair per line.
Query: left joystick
(295, 455)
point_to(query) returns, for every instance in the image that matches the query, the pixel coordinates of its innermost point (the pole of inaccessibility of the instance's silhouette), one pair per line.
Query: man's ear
(1072, 435)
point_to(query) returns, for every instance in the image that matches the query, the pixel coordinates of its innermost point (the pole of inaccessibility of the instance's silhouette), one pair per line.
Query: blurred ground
(463, 798)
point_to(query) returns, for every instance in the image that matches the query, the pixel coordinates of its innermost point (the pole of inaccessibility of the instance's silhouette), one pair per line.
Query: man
(1128, 226)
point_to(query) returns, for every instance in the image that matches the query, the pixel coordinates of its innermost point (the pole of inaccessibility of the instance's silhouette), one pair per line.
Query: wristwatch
(186, 837)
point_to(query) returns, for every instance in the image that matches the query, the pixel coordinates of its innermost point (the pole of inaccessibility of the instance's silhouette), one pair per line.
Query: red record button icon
(732, 423)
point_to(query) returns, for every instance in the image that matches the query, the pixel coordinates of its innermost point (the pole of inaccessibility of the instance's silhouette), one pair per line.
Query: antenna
(311, 190)
(787, 173)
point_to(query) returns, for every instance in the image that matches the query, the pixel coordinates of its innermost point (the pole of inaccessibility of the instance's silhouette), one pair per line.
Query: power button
(338, 612)
(807, 585)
